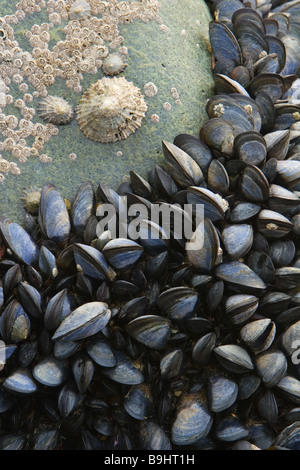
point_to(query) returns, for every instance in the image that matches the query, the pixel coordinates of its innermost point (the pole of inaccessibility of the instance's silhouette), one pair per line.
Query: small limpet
(55, 110)
(31, 200)
(114, 64)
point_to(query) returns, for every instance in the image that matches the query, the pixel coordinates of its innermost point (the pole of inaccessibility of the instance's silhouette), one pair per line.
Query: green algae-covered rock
(164, 47)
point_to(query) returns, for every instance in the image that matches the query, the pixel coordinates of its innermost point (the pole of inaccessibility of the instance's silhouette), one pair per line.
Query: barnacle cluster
(79, 37)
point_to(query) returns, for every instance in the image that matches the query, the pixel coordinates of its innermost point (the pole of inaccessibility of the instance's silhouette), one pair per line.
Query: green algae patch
(171, 54)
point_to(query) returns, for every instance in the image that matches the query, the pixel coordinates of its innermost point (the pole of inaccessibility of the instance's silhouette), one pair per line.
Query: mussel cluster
(113, 343)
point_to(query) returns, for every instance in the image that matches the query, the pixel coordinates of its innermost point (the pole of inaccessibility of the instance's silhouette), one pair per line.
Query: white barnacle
(150, 89)
(219, 109)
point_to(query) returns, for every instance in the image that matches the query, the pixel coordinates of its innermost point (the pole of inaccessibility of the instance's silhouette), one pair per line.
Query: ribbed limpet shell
(110, 110)
(55, 110)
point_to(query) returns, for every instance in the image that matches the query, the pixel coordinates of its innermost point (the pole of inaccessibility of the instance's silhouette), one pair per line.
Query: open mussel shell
(122, 253)
(237, 240)
(54, 219)
(239, 276)
(83, 206)
(19, 242)
(150, 330)
(204, 246)
(50, 372)
(250, 147)
(240, 307)
(195, 148)
(184, 170)
(222, 392)
(21, 382)
(92, 262)
(227, 85)
(271, 366)
(234, 358)
(258, 335)
(193, 421)
(125, 371)
(138, 402)
(15, 323)
(84, 321)
(179, 303)
(272, 224)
